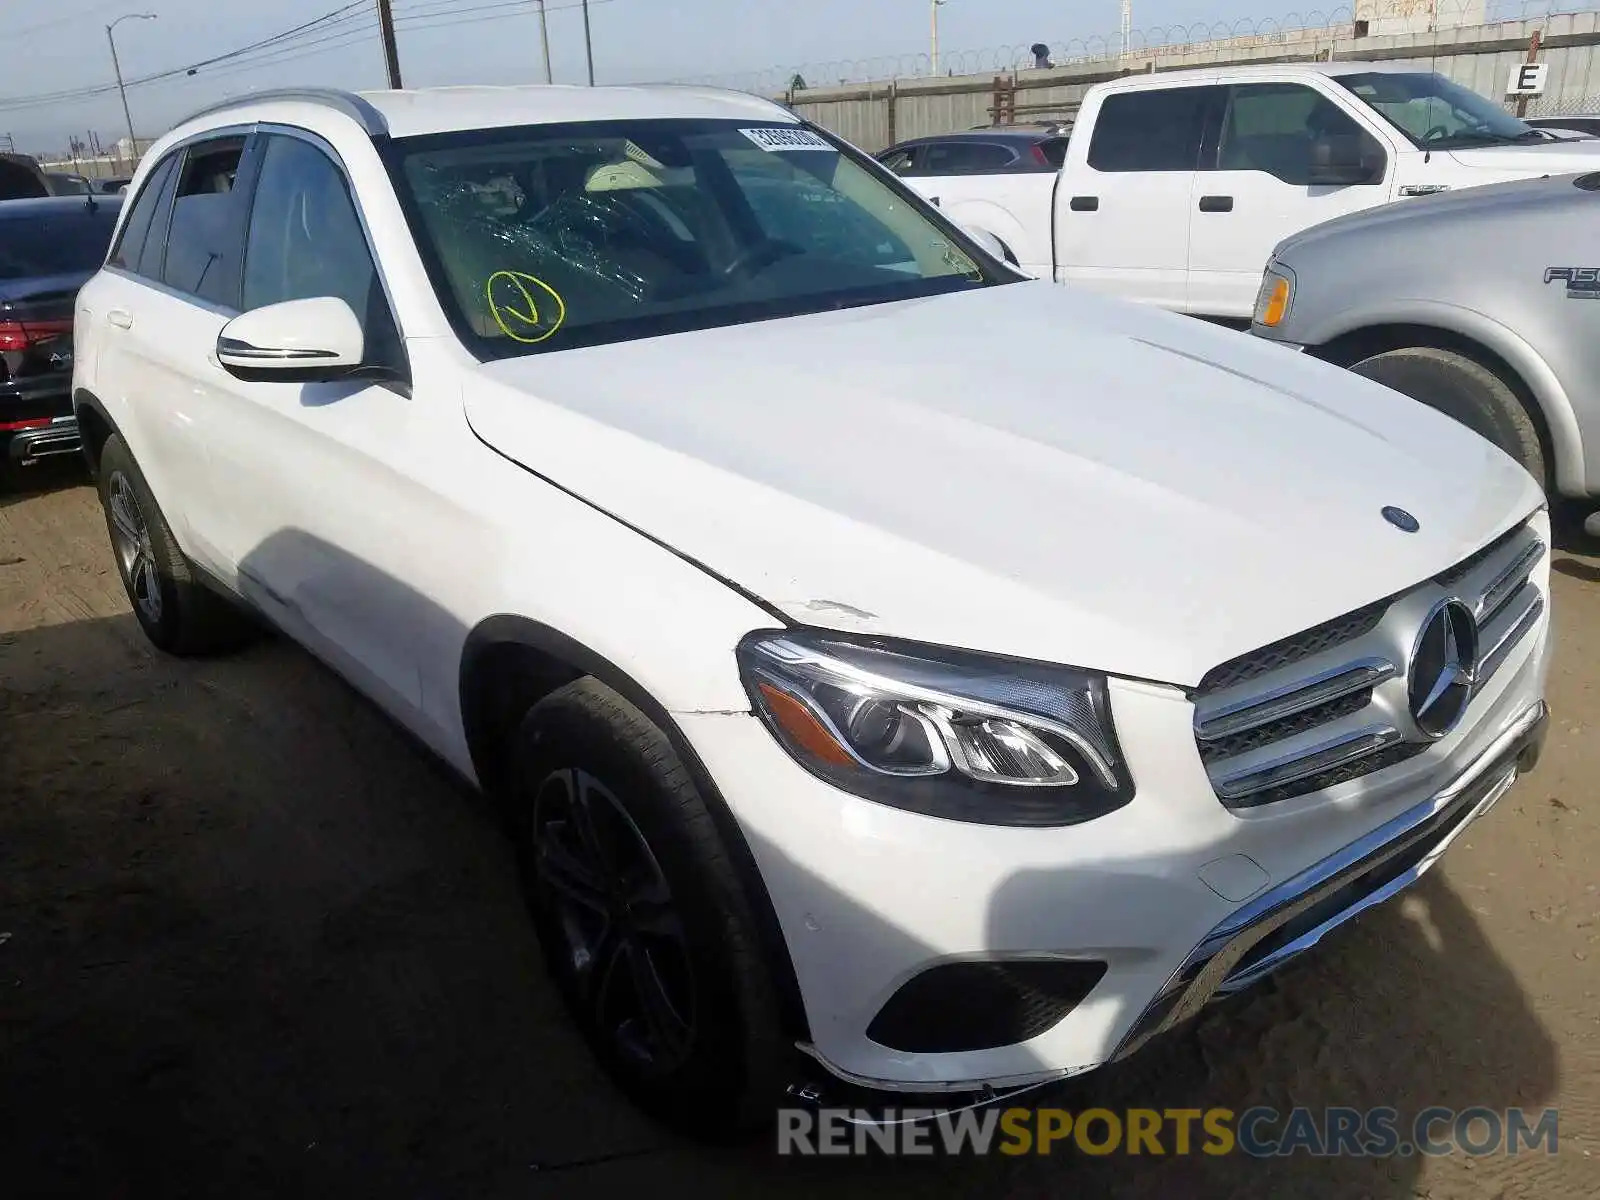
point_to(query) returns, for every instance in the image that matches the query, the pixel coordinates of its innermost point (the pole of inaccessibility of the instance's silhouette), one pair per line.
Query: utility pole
(544, 40)
(133, 141)
(934, 6)
(588, 43)
(391, 51)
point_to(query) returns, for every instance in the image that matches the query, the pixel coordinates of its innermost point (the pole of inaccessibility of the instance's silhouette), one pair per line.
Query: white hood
(1536, 158)
(1023, 469)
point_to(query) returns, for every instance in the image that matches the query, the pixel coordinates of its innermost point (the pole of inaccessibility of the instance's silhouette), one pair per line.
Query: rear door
(1254, 187)
(995, 187)
(176, 272)
(1122, 207)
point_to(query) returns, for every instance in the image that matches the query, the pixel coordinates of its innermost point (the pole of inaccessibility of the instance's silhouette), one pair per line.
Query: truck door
(1254, 187)
(1122, 207)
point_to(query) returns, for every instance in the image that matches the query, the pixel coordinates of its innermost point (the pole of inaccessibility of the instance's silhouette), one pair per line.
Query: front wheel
(644, 925)
(176, 611)
(1466, 390)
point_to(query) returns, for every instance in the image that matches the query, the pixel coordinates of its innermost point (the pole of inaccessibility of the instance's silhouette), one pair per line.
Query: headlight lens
(1275, 296)
(943, 732)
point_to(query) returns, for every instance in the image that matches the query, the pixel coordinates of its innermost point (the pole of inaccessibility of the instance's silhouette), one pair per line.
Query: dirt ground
(254, 944)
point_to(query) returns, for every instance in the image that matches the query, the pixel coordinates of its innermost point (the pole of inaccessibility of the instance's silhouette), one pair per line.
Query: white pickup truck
(1176, 187)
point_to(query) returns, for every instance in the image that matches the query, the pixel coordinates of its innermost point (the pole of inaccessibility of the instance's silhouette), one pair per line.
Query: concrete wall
(1482, 57)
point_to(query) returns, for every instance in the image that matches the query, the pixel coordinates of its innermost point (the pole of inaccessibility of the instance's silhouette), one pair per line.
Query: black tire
(713, 1064)
(177, 612)
(1469, 392)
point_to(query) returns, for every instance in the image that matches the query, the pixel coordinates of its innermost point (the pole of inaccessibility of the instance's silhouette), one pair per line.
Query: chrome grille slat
(1491, 659)
(1293, 698)
(1291, 768)
(1506, 584)
(1332, 704)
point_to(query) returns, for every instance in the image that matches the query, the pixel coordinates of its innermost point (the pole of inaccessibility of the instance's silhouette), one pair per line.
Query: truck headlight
(1275, 296)
(947, 733)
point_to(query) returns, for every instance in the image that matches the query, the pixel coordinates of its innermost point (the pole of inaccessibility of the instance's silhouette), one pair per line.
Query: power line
(315, 36)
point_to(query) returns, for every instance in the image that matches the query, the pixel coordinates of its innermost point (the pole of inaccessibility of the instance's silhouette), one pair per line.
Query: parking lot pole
(544, 41)
(588, 43)
(111, 39)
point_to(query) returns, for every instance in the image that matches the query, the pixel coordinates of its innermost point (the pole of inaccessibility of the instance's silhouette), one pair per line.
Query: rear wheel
(1466, 390)
(176, 611)
(644, 925)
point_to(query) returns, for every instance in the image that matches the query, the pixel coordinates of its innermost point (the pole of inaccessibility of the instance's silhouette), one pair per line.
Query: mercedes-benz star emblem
(1443, 668)
(1401, 519)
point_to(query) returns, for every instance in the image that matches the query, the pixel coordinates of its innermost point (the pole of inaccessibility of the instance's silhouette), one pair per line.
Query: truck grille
(1331, 705)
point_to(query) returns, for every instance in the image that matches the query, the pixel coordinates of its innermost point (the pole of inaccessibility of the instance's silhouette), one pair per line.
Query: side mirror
(1341, 159)
(302, 341)
(995, 247)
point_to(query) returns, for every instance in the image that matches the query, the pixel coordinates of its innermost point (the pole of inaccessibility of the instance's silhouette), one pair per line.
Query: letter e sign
(1527, 79)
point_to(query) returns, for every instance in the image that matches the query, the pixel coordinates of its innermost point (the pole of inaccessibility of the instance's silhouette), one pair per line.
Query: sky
(737, 42)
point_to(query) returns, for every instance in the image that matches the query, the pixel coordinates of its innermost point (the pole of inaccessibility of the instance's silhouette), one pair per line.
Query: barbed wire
(1313, 25)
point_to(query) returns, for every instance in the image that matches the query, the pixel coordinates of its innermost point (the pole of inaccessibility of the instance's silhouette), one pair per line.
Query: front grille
(1330, 705)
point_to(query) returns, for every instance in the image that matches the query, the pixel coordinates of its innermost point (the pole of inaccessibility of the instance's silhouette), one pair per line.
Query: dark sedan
(48, 249)
(1003, 150)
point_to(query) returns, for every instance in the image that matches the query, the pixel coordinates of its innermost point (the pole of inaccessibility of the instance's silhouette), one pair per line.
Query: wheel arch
(1487, 342)
(95, 426)
(511, 662)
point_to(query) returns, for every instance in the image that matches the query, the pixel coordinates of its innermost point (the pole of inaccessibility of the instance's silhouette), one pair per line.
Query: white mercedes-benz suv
(850, 688)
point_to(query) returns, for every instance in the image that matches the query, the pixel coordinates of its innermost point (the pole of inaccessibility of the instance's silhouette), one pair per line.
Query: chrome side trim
(1300, 764)
(1292, 698)
(1211, 964)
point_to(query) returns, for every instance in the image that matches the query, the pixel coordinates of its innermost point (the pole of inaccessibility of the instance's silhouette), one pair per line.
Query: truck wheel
(1466, 390)
(177, 612)
(643, 922)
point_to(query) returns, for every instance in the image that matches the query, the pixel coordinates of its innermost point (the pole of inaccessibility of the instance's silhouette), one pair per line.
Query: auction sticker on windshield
(786, 139)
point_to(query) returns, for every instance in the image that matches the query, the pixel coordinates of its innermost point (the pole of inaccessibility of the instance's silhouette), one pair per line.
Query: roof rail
(352, 105)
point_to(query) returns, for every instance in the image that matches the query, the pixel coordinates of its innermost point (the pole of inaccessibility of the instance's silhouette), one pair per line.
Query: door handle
(121, 318)
(1086, 204)
(1216, 203)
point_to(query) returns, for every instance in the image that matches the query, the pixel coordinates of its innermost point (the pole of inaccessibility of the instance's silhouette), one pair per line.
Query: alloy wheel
(130, 537)
(621, 935)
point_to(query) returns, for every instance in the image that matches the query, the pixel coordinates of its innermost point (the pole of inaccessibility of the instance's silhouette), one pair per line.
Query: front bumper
(1179, 897)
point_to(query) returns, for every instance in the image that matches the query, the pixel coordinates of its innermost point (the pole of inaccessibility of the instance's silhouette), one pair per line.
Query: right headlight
(948, 733)
(1275, 296)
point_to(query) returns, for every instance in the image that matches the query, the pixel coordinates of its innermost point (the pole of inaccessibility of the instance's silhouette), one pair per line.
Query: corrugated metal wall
(1480, 57)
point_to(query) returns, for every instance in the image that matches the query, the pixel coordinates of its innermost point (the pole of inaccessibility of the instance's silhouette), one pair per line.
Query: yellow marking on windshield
(519, 315)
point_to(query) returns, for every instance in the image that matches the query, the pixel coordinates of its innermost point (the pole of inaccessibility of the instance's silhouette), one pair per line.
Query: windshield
(550, 237)
(58, 243)
(1435, 113)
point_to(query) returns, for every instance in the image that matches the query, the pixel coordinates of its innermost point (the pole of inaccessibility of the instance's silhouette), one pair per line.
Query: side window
(900, 161)
(306, 241)
(966, 158)
(1054, 151)
(136, 229)
(1157, 129)
(207, 224)
(1273, 127)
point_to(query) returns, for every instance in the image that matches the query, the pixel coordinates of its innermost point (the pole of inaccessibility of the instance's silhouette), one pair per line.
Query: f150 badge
(1583, 283)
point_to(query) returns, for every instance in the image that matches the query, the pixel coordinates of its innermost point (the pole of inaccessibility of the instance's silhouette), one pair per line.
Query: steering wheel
(1437, 134)
(762, 254)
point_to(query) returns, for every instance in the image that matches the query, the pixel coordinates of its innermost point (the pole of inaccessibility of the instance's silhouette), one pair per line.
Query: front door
(1254, 188)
